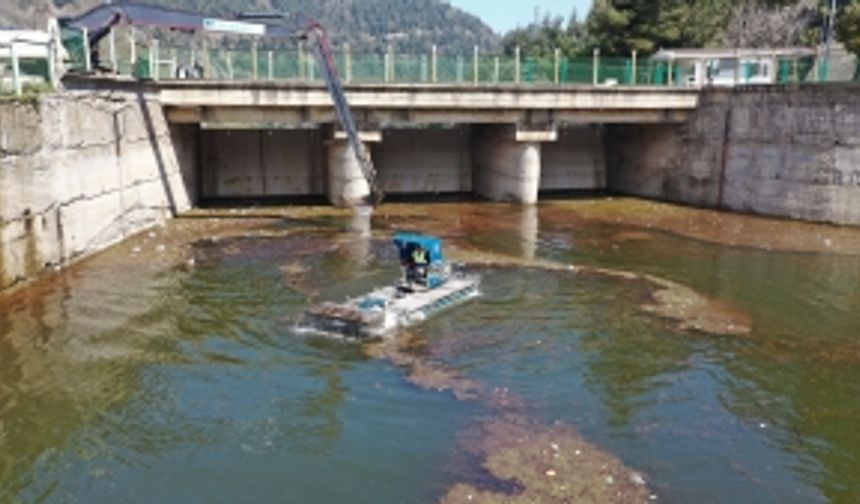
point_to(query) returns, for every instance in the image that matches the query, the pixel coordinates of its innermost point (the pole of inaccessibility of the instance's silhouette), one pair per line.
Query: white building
(732, 67)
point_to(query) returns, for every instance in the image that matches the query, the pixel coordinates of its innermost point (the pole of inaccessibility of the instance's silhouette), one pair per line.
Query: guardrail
(27, 61)
(152, 59)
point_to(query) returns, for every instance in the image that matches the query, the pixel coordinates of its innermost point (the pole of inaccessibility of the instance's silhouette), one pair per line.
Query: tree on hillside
(618, 27)
(542, 39)
(848, 30)
(762, 24)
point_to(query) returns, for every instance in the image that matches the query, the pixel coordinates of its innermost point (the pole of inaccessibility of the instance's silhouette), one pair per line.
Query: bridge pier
(346, 185)
(508, 163)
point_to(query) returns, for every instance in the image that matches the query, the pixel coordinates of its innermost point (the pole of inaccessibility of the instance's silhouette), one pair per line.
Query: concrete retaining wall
(255, 163)
(81, 171)
(432, 160)
(780, 151)
(575, 161)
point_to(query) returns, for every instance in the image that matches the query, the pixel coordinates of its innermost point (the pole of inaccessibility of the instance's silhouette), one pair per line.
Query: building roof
(731, 52)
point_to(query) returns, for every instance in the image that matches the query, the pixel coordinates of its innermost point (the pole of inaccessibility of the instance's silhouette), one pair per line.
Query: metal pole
(830, 35)
(595, 67)
(88, 63)
(207, 61)
(270, 56)
(517, 76)
(475, 57)
(174, 59)
(52, 62)
(737, 68)
(255, 63)
(671, 78)
(633, 75)
(230, 73)
(132, 49)
(460, 72)
(155, 69)
(387, 69)
(433, 60)
(301, 57)
(112, 51)
(16, 69)
(347, 50)
(557, 66)
(496, 70)
(392, 77)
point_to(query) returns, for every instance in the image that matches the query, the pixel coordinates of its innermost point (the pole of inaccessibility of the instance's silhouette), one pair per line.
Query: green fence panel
(408, 68)
(613, 70)
(577, 71)
(368, 68)
(451, 69)
(73, 42)
(538, 71)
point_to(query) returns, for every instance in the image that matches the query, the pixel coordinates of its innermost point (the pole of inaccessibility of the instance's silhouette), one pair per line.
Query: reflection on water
(182, 381)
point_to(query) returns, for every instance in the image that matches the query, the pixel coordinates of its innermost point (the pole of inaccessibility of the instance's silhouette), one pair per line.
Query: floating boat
(429, 285)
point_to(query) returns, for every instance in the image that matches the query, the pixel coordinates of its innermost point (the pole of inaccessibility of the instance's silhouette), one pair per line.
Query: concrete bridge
(500, 142)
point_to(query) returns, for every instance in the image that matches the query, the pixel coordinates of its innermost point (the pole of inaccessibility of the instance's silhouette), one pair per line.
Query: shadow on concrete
(152, 134)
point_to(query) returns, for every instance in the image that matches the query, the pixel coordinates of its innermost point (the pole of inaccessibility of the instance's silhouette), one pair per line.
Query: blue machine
(429, 285)
(437, 270)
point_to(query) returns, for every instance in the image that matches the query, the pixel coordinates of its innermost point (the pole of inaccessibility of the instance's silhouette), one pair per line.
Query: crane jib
(227, 26)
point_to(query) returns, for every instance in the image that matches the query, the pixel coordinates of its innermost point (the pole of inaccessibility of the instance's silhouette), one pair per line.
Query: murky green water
(132, 380)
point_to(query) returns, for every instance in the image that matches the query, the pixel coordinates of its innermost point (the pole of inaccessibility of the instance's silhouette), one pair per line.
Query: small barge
(429, 284)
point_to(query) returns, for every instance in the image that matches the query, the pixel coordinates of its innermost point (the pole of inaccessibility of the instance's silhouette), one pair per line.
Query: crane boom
(99, 21)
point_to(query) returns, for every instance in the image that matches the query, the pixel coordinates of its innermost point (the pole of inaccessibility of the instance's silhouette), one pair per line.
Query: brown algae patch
(720, 227)
(549, 465)
(525, 462)
(407, 351)
(693, 311)
(687, 308)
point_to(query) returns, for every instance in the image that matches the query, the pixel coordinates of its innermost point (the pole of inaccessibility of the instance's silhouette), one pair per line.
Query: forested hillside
(411, 25)
(617, 27)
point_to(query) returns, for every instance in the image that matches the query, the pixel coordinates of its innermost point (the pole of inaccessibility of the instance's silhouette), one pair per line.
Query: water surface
(167, 369)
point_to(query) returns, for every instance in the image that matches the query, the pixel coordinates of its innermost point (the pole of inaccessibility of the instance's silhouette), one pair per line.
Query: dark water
(128, 380)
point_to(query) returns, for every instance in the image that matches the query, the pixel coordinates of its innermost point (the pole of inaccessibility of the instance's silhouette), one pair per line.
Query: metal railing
(22, 65)
(159, 61)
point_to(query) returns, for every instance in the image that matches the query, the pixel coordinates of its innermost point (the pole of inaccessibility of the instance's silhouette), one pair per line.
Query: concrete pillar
(508, 163)
(346, 185)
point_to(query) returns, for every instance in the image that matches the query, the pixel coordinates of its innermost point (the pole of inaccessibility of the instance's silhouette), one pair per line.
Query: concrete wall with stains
(261, 163)
(81, 171)
(426, 161)
(780, 151)
(575, 161)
